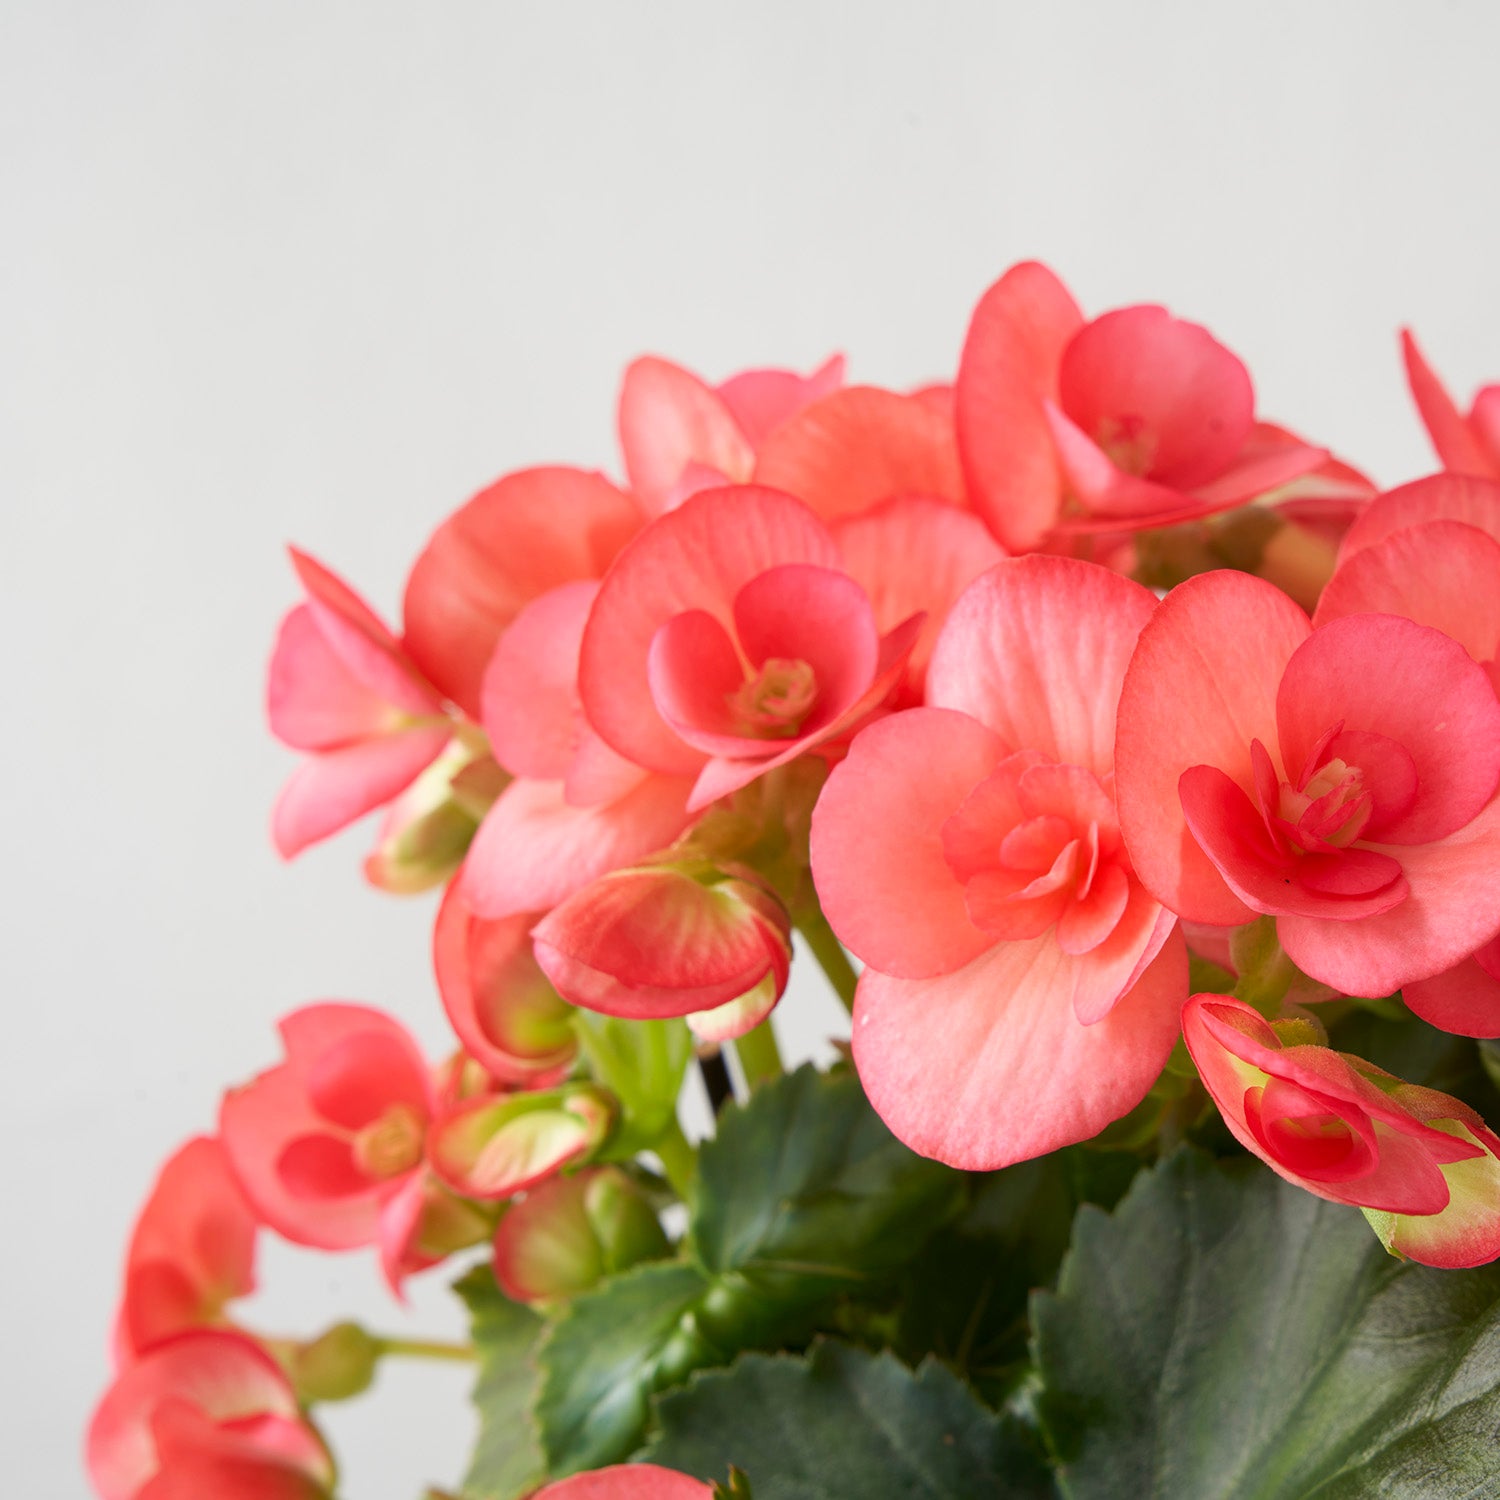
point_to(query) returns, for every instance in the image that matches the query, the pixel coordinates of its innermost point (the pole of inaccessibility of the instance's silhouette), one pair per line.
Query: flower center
(391, 1145)
(773, 703)
(1129, 443)
(1329, 811)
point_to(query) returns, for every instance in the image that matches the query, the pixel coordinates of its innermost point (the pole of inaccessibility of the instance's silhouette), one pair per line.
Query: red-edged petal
(1467, 1232)
(491, 1148)
(1009, 366)
(534, 848)
(877, 841)
(1200, 687)
(513, 542)
(1453, 439)
(697, 557)
(1036, 649)
(333, 789)
(862, 446)
(670, 419)
(501, 1005)
(1385, 676)
(989, 1065)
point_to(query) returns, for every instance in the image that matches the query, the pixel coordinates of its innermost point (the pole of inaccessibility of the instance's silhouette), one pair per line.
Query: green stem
(425, 1349)
(679, 1160)
(760, 1057)
(828, 951)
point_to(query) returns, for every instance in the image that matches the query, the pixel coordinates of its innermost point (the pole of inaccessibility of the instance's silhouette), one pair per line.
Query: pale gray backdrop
(318, 270)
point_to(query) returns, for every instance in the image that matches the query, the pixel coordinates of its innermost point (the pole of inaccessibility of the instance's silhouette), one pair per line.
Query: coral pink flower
(863, 446)
(1021, 987)
(728, 639)
(342, 688)
(329, 1145)
(192, 1251)
(1341, 780)
(206, 1413)
(670, 939)
(1134, 419)
(628, 1482)
(680, 435)
(526, 534)
(1465, 444)
(578, 809)
(502, 1007)
(1424, 1164)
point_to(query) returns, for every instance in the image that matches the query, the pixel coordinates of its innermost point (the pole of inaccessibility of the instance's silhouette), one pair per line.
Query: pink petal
(1454, 441)
(513, 542)
(225, 1376)
(695, 558)
(1390, 677)
(988, 1065)
(1103, 489)
(354, 1082)
(860, 447)
(313, 701)
(695, 671)
(1141, 368)
(1201, 686)
(877, 842)
(1467, 1232)
(192, 1249)
(1450, 911)
(1258, 473)
(532, 711)
(534, 849)
(670, 419)
(1010, 364)
(1230, 830)
(627, 1482)
(1445, 574)
(1464, 999)
(1036, 649)
(492, 1148)
(1440, 497)
(331, 790)
(761, 400)
(915, 556)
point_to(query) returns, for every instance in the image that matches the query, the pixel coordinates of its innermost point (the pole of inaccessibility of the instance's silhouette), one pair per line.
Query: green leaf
(841, 1424)
(1227, 1334)
(642, 1064)
(507, 1458)
(805, 1192)
(964, 1298)
(605, 1356)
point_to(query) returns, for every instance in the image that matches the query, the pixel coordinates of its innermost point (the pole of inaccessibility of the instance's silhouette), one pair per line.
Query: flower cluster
(1053, 693)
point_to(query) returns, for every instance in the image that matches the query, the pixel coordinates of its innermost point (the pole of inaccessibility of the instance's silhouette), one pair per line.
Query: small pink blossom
(342, 688)
(1135, 419)
(207, 1413)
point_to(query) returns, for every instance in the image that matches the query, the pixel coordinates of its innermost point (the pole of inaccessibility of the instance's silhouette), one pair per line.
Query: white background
(318, 270)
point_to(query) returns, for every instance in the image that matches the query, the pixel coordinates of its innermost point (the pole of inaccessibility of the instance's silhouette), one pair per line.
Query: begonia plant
(1129, 768)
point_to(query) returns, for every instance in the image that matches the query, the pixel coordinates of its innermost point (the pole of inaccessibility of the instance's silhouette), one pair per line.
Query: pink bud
(496, 1146)
(669, 939)
(570, 1232)
(628, 1482)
